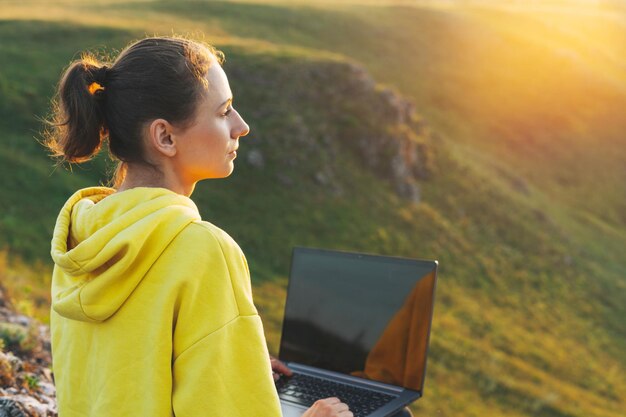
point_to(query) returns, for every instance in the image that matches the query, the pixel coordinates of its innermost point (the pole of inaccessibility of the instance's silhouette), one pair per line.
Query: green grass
(524, 208)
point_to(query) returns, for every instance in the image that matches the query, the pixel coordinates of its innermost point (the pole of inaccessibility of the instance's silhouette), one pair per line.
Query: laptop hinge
(347, 378)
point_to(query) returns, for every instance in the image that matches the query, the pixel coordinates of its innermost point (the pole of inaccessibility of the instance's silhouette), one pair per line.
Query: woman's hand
(279, 368)
(328, 407)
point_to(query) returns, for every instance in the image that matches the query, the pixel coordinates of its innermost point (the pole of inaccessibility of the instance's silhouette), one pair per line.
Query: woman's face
(207, 149)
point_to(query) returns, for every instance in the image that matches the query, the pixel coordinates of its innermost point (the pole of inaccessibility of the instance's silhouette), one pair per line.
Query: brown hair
(156, 77)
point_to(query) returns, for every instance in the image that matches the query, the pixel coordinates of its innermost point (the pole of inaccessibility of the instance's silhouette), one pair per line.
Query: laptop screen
(363, 315)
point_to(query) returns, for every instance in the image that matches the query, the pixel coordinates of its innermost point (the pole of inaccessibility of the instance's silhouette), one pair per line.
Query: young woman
(152, 311)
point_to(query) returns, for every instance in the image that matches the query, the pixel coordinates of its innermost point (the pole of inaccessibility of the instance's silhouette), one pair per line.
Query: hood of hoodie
(104, 243)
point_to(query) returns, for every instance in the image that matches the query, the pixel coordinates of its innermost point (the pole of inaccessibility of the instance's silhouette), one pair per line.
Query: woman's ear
(160, 137)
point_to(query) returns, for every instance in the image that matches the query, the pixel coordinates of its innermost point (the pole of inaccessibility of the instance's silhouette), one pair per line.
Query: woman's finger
(280, 367)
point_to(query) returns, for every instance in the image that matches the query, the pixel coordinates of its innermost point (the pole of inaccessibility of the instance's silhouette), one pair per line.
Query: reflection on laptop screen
(363, 315)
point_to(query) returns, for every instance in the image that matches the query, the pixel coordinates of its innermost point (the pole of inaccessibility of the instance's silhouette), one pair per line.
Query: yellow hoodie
(152, 312)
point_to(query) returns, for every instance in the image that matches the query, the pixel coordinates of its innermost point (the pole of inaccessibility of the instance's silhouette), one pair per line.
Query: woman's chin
(226, 173)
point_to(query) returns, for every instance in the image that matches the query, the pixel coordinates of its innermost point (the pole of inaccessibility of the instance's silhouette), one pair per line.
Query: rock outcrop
(26, 382)
(310, 113)
(387, 132)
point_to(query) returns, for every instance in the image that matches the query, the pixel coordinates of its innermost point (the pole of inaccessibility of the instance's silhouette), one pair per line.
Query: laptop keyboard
(305, 390)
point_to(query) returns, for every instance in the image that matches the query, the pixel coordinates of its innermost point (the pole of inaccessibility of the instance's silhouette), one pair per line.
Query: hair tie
(99, 76)
(94, 87)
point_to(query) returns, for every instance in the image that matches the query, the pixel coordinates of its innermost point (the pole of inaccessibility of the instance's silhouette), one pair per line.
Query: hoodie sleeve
(220, 364)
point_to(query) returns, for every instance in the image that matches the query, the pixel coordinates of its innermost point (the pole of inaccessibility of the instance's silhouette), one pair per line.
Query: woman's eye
(227, 112)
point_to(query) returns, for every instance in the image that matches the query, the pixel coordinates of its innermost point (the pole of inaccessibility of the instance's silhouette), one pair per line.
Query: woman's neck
(147, 176)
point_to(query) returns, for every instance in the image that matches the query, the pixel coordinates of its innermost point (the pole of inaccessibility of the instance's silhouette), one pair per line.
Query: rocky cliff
(310, 113)
(26, 382)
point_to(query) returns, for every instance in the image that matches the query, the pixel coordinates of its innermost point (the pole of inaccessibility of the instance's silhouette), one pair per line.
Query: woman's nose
(242, 128)
(245, 129)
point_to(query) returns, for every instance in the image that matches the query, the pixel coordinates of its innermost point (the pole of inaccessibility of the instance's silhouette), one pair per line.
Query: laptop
(356, 327)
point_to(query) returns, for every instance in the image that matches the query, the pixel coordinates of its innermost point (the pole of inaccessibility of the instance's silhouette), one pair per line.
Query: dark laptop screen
(363, 315)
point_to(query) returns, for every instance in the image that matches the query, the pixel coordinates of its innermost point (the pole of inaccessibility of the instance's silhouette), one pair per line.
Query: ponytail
(79, 124)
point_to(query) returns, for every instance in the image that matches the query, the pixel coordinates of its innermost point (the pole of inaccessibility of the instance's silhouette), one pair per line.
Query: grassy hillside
(524, 207)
